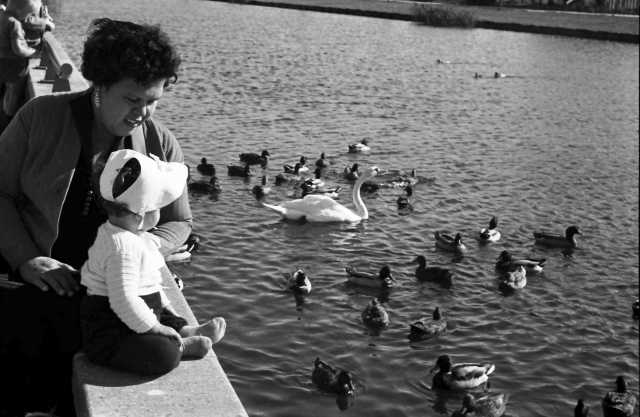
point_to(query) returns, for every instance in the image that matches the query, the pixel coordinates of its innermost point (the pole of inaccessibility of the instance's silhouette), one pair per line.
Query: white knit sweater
(122, 266)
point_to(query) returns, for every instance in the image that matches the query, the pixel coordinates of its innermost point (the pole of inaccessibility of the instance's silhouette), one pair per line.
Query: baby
(127, 321)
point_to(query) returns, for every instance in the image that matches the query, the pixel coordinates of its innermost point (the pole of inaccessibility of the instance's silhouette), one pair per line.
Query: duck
(491, 233)
(298, 282)
(403, 200)
(329, 379)
(285, 177)
(442, 61)
(308, 188)
(351, 173)
(619, 403)
(383, 279)
(581, 410)
(239, 171)
(448, 243)
(506, 262)
(374, 315)
(322, 162)
(316, 181)
(489, 405)
(635, 308)
(322, 208)
(260, 191)
(462, 376)
(362, 146)
(370, 187)
(437, 274)
(299, 167)
(183, 252)
(427, 327)
(558, 241)
(404, 180)
(206, 168)
(515, 278)
(205, 187)
(499, 75)
(254, 159)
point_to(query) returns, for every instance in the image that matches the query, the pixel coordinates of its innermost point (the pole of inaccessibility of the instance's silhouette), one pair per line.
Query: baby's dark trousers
(109, 342)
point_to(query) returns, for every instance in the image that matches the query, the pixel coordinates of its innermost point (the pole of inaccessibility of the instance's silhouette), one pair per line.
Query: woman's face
(126, 104)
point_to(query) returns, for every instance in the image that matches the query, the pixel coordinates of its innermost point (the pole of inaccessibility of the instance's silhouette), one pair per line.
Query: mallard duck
(403, 200)
(322, 208)
(490, 405)
(183, 252)
(322, 162)
(255, 159)
(448, 243)
(308, 188)
(260, 191)
(374, 315)
(205, 187)
(635, 308)
(619, 403)
(206, 168)
(462, 376)
(558, 241)
(382, 279)
(404, 180)
(491, 233)
(239, 171)
(506, 262)
(433, 273)
(298, 282)
(581, 410)
(331, 380)
(427, 327)
(299, 167)
(351, 173)
(515, 278)
(363, 146)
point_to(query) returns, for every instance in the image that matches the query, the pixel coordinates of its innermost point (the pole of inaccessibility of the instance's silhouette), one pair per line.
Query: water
(555, 145)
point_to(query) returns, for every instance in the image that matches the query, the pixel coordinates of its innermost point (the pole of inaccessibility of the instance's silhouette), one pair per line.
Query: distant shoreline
(619, 28)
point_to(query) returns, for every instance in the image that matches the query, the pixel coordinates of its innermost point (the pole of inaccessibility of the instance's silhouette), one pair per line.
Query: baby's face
(23, 8)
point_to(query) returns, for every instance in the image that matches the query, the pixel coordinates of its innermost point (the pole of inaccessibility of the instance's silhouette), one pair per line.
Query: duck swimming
(516, 278)
(331, 380)
(298, 168)
(558, 241)
(491, 233)
(448, 243)
(490, 405)
(382, 279)
(403, 200)
(363, 146)
(239, 171)
(255, 159)
(463, 376)
(374, 315)
(206, 168)
(260, 191)
(619, 403)
(506, 262)
(205, 187)
(322, 162)
(351, 173)
(433, 273)
(581, 410)
(427, 327)
(322, 208)
(298, 282)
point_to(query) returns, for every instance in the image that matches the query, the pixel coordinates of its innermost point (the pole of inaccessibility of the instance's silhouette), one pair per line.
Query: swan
(489, 405)
(491, 233)
(462, 376)
(322, 208)
(255, 159)
(558, 241)
(619, 403)
(206, 168)
(329, 379)
(374, 315)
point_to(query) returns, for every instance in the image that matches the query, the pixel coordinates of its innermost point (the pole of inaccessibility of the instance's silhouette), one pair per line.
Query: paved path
(589, 25)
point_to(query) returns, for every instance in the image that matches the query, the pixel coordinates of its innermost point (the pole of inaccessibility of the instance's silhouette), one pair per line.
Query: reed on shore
(444, 16)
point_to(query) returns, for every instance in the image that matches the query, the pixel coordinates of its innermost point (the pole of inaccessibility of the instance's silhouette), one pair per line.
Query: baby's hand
(161, 329)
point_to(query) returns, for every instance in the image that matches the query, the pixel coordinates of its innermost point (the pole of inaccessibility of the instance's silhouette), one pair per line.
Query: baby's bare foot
(214, 328)
(196, 346)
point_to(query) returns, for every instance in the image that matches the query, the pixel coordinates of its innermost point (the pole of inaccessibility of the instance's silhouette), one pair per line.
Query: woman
(51, 156)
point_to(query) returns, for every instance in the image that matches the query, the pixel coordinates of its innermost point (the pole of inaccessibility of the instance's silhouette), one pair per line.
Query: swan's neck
(360, 208)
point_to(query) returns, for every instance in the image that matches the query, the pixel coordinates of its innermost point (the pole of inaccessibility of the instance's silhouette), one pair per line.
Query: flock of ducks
(318, 204)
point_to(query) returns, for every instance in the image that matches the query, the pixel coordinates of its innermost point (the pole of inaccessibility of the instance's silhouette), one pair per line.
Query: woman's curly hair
(115, 50)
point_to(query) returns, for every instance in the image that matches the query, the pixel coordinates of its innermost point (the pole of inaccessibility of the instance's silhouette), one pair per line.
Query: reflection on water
(554, 145)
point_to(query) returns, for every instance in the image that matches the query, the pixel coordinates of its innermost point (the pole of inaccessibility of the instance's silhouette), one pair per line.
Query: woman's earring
(97, 98)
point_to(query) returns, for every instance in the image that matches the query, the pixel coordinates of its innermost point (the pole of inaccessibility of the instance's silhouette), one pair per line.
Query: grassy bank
(443, 16)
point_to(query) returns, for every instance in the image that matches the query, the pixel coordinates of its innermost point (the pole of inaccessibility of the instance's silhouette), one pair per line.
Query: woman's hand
(45, 273)
(170, 332)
